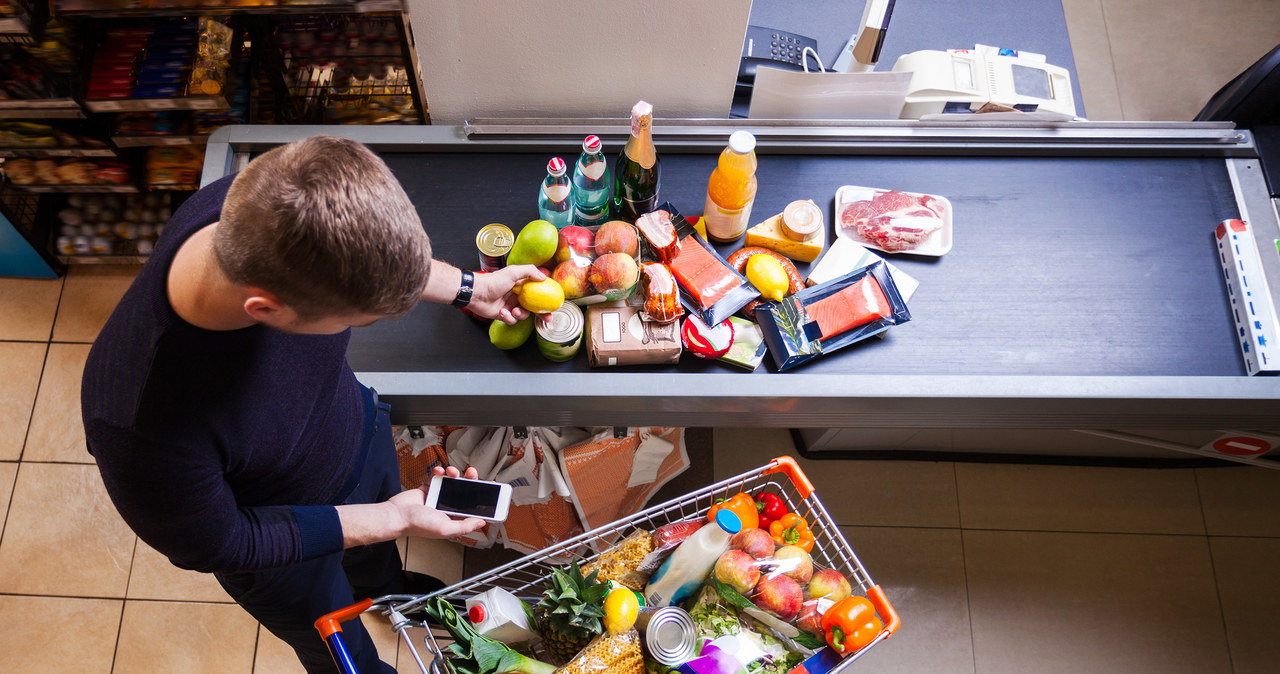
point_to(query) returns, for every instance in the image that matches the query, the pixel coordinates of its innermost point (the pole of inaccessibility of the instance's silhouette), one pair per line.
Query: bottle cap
(591, 144)
(476, 614)
(801, 220)
(742, 142)
(728, 520)
(556, 166)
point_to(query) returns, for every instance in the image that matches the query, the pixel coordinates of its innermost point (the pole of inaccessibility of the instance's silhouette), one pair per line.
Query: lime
(509, 337)
(540, 297)
(768, 276)
(620, 610)
(535, 244)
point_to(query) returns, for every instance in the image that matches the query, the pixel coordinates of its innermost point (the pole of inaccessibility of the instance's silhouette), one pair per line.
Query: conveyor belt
(1082, 290)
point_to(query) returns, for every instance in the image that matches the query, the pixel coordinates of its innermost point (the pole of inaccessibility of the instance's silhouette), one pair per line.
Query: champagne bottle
(636, 173)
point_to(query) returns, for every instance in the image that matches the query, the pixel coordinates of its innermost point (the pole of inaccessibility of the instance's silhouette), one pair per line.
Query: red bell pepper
(771, 507)
(850, 624)
(741, 505)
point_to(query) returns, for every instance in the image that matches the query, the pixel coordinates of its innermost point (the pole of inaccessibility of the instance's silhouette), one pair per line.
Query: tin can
(667, 635)
(560, 332)
(494, 242)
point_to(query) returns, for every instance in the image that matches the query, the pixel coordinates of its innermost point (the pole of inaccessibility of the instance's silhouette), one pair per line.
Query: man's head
(322, 226)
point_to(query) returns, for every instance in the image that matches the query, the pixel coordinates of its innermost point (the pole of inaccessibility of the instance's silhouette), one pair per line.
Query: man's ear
(263, 307)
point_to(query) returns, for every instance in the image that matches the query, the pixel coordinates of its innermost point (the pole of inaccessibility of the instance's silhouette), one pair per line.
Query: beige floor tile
(20, 366)
(442, 559)
(1091, 51)
(163, 637)
(1240, 500)
(1070, 602)
(89, 295)
(27, 308)
(922, 573)
(58, 513)
(384, 638)
(8, 473)
(57, 433)
(155, 577)
(1078, 498)
(874, 493)
(1250, 593)
(50, 635)
(405, 663)
(274, 656)
(1169, 59)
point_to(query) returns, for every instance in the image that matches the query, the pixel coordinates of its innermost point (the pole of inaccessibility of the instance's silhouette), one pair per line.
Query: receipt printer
(963, 80)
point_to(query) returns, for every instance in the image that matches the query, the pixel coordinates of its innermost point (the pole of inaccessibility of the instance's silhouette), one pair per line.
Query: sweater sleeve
(176, 499)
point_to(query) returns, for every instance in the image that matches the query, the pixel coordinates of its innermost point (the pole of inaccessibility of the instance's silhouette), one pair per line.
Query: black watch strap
(464, 292)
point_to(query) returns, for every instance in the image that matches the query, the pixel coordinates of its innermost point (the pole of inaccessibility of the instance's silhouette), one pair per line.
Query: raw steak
(893, 220)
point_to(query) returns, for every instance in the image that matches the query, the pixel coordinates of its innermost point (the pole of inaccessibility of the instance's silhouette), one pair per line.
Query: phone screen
(468, 498)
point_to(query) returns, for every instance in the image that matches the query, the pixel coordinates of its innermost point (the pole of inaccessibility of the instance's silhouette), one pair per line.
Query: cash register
(965, 81)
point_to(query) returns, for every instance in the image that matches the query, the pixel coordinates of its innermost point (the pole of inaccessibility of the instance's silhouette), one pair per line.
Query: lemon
(540, 297)
(509, 337)
(768, 276)
(620, 610)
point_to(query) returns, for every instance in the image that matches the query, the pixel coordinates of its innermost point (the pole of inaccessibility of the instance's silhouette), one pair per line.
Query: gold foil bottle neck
(640, 144)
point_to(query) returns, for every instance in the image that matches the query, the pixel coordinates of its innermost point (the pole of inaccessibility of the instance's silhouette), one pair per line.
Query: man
(229, 430)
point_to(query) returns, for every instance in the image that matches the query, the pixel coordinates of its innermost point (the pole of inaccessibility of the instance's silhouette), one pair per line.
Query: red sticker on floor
(1241, 445)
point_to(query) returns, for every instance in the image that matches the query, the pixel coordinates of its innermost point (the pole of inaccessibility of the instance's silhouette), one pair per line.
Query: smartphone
(469, 498)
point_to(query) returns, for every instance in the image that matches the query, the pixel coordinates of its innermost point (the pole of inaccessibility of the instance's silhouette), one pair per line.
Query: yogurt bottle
(682, 574)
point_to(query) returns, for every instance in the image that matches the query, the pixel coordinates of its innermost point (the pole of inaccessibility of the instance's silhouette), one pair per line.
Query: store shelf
(49, 108)
(202, 103)
(102, 259)
(14, 30)
(82, 189)
(56, 152)
(80, 9)
(153, 141)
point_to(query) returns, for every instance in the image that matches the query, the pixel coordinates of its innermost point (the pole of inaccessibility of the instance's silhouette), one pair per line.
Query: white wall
(531, 58)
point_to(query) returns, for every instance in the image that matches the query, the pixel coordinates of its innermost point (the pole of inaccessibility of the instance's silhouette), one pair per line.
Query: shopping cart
(525, 577)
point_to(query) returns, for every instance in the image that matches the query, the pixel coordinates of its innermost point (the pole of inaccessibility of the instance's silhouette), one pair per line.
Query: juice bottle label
(725, 224)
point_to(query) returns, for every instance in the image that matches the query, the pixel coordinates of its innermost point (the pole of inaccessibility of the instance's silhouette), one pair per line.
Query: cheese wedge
(769, 234)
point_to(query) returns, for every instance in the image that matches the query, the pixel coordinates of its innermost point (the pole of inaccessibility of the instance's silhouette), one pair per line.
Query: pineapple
(571, 611)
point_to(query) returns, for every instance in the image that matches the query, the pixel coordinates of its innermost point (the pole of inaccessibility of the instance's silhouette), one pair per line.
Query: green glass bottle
(636, 173)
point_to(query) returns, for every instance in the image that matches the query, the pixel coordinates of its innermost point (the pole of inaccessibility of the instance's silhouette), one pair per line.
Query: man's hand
(419, 520)
(494, 298)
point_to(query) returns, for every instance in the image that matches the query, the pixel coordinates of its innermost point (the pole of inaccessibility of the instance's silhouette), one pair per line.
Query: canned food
(802, 220)
(560, 332)
(494, 242)
(667, 635)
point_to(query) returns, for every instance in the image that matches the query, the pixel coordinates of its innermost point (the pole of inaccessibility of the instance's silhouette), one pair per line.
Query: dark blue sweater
(224, 450)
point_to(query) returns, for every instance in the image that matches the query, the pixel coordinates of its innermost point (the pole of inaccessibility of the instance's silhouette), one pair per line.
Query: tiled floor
(994, 568)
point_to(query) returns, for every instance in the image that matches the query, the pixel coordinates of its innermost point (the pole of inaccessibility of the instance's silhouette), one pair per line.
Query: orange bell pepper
(850, 624)
(740, 504)
(791, 529)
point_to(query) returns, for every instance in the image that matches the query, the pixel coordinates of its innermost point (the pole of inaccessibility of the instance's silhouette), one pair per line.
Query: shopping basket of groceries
(750, 573)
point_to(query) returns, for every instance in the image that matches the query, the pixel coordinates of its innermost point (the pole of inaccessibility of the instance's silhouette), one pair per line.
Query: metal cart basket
(525, 577)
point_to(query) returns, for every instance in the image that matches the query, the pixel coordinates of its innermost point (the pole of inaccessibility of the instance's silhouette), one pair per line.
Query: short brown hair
(324, 225)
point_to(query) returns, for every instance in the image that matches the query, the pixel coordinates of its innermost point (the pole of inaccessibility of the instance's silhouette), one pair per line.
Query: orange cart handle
(788, 465)
(330, 623)
(885, 609)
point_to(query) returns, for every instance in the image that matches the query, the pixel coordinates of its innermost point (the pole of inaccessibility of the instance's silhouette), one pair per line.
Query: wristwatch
(464, 292)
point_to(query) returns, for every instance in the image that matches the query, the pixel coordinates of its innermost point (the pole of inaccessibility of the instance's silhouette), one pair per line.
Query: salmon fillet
(705, 277)
(855, 305)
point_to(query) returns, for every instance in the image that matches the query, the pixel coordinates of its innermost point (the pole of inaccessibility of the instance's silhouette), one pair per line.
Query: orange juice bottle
(731, 190)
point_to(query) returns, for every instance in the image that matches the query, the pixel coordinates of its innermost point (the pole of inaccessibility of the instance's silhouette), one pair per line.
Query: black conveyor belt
(1060, 266)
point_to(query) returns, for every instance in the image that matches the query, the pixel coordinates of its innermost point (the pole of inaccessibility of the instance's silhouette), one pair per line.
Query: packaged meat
(659, 235)
(661, 294)
(894, 221)
(829, 316)
(709, 286)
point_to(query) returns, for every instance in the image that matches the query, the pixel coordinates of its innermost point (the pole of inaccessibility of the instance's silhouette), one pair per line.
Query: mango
(508, 337)
(535, 244)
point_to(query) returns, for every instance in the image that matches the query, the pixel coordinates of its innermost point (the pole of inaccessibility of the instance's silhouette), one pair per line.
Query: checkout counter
(1083, 291)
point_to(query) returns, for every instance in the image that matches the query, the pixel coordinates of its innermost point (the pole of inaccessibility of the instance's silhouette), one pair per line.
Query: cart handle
(885, 609)
(330, 623)
(788, 465)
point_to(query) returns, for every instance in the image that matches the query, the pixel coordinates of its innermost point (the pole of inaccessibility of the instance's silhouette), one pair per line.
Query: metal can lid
(742, 142)
(495, 239)
(670, 637)
(591, 143)
(801, 220)
(556, 166)
(562, 325)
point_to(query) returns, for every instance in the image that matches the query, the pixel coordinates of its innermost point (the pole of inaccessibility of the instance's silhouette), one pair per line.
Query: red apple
(738, 570)
(830, 584)
(575, 241)
(793, 562)
(754, 542)
(617, 236)
(810, 618)
(613, 271)
(778, 595)
(572, 277)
